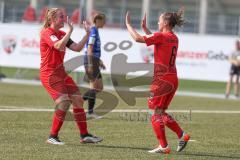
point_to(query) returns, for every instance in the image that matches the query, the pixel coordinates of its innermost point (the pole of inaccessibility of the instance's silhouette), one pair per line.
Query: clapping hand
(70, 24)
(86, 26)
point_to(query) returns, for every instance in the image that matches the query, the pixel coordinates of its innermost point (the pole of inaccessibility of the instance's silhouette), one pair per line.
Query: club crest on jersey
(53, 38)
(9, 43)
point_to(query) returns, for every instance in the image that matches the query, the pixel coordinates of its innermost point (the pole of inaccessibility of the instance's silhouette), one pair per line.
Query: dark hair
(174, 18)
(99, 16)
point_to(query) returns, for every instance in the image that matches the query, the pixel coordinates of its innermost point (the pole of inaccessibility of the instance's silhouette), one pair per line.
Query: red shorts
(162, 90)
(59, 85)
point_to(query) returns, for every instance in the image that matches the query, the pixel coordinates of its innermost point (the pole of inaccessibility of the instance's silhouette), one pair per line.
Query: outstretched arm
(136, 36)
(144, 26)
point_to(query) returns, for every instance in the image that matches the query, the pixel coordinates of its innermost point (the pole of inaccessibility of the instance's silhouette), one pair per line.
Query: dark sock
(86, 95)
(91, 100)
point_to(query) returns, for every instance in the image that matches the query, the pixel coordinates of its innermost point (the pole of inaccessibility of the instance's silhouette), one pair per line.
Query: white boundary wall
(200, 57)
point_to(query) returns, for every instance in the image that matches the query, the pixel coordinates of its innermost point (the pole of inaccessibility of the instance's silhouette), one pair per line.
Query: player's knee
(92, 93)
(77, 101)
(98, 86)
(99, 89)
(64, 105)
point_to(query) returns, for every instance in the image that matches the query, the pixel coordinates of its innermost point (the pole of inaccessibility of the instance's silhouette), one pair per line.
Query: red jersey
(165, 51)
(52, 73)
(51, 58)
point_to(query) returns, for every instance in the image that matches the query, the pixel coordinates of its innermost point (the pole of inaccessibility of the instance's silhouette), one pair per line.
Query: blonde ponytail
(50, 13)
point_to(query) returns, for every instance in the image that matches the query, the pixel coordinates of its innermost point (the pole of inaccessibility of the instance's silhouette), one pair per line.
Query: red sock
(172, 124)
(58, 119)
(80, 118)
(159, 129)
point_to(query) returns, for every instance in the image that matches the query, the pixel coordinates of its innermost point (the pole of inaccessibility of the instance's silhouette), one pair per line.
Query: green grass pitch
(126, 136)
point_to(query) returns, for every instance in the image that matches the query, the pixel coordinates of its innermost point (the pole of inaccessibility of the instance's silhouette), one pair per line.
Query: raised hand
(144, 25)
(128, 19)
(86, 26)
(70, 24)
(136, 36)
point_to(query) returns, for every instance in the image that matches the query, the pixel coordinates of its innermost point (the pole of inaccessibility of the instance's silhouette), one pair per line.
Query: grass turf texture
(23, 134)
(37, 97)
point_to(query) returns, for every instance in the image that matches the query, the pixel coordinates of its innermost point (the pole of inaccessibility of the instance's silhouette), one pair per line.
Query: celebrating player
(165, 80)
(93, 63)
(59, 85)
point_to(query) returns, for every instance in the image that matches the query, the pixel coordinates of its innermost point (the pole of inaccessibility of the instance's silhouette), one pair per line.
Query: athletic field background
(213, 124)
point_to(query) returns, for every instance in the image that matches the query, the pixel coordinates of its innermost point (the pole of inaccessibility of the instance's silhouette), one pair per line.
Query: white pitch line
(192, 140)
(16, 109)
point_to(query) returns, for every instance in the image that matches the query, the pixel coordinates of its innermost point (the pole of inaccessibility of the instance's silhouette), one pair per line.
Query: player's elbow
(57, 47)
(137, 39)
(78, 48)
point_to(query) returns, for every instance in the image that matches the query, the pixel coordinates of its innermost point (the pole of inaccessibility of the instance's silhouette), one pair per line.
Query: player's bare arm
(61, 44)
(79, 46)
(135, 35)
(144, 25)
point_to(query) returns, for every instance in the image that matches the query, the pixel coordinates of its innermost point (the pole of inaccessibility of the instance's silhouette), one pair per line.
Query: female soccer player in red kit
(59, 85)
(165, 80)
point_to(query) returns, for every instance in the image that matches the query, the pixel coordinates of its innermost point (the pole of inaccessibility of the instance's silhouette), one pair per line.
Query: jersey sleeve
(92, 37)
(155, 38)
(49, 38)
